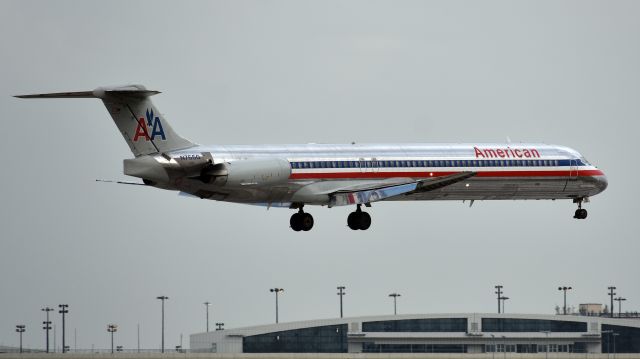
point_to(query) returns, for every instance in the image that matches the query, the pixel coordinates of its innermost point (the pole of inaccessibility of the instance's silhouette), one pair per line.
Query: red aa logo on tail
(153, 124)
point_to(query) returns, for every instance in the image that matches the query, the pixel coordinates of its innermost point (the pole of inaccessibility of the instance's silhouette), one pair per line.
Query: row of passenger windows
(434, 163)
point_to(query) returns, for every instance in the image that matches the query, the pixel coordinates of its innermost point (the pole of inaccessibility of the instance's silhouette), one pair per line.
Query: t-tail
(139, 121)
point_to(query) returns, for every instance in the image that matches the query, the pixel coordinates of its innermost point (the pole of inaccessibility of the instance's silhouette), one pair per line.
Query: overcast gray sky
(246, 72)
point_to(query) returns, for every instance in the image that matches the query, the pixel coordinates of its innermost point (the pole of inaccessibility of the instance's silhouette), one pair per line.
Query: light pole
(611, 294)
(341, 293)
(503, 301)
(499, 293)
(207, 305)
(504, 343)
(620, 300)
(112, 328)
(565, 289)
(63, 310)
(220, 326)
(276, 291)
(20, 328)
(614, 343)
(162, 298)
(395, 299)
(47, 325)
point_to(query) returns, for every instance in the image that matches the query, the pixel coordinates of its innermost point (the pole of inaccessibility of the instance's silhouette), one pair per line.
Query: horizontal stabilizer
(140, 123)
(101, 92)
(121, 182)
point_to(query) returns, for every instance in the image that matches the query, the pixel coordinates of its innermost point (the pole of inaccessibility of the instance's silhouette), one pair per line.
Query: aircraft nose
(602, 182)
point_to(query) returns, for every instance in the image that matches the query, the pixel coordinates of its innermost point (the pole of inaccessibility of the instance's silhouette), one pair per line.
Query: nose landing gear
(301, 221)
(581, 213)
(359, 220)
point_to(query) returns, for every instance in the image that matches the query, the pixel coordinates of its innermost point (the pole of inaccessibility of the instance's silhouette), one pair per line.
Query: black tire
(296, 222)
(306, 221)
(352, 221)
(364, 221)
(583, 213)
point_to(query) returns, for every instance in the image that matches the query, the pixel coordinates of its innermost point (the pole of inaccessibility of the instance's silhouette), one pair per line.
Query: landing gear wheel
(359, 220)
(296, 222)
(365, 221)
(352, 221)
(581, 213)
(301, 221)
(306, 221)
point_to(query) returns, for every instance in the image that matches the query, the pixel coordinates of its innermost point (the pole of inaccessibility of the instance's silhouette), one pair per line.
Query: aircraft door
(363, 165)
(573, 170)
(573, 175)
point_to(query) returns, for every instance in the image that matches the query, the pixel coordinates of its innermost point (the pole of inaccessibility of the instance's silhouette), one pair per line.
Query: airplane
(294, 176)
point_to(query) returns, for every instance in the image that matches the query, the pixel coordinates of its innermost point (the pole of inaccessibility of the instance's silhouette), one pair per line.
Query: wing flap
(344, 198)
(378, 191)
(430, 185)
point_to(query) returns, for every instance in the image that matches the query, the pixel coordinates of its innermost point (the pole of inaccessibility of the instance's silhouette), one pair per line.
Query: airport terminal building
(427, 333)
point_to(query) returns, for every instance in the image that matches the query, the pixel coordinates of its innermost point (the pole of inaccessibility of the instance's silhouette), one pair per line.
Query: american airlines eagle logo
(151, 124)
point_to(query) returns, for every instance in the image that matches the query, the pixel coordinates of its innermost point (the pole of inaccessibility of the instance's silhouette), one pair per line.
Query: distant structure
(591, 309)
(431, 333)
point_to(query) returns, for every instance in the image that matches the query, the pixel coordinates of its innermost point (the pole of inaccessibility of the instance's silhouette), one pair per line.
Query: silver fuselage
(502, 171)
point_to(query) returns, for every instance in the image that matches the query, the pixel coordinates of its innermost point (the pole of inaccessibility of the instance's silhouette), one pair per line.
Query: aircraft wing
(378, 191)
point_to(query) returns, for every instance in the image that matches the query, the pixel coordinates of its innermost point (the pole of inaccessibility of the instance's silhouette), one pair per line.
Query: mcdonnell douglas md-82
(294, 176)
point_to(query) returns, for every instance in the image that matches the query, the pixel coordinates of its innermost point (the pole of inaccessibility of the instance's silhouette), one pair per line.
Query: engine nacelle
(257, 172)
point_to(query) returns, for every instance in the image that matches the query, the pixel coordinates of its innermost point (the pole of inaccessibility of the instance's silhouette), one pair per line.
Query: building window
(531, 325)
(627, 340)
(325, 339)
(370, 347)
(417, 325)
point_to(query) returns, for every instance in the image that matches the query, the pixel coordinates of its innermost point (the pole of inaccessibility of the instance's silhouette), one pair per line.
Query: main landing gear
(581, 213)
(359, 220)
(301, 221)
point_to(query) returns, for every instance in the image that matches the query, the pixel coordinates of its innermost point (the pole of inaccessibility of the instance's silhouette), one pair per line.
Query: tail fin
(141, 124)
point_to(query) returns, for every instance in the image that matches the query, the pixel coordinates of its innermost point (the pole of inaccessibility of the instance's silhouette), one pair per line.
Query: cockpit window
(584, 160)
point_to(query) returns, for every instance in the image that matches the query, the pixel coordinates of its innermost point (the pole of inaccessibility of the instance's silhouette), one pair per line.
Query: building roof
(355, 323)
